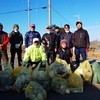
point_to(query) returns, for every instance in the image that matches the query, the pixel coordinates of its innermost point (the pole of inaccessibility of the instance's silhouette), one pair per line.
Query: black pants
(19, 56)
(50, 56)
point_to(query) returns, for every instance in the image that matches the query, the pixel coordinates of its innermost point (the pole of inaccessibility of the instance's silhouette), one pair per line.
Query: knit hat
(16, 25)
(63, 41)
(78, 22)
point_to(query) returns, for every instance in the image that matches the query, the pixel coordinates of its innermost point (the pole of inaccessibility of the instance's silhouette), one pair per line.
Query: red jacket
(5, 41)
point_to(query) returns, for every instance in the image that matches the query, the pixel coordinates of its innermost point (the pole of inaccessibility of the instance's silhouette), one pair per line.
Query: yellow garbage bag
(60, 68)
(60, 85)
(85, 71)
(17, 71)
(75, 83)
(35, 91)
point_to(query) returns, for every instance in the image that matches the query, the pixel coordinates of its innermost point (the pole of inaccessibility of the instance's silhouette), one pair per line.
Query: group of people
(46, 48)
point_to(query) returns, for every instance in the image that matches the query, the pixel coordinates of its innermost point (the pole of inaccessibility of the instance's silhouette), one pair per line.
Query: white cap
(35, 39)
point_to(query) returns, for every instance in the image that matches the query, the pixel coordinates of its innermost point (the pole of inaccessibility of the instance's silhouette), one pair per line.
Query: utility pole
(49, 13)
(28, 13)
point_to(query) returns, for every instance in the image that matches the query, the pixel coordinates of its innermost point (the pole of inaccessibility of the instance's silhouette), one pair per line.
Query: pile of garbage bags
(58, 77)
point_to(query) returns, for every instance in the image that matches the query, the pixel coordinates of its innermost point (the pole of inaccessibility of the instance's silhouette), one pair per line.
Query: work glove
(17, 46)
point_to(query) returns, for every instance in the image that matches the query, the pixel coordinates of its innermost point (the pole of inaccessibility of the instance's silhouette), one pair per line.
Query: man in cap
(30, 35)
(67, 35)
(16, 41)
(51, 44)
(35, 54)
(3, 47)
(81, 42)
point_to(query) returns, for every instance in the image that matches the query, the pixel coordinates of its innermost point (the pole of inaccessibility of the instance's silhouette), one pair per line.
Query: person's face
(36, 43)
(56, 30)
(79, 26)
(66, 28)
(48, 30)
(32, 28)
(63, 45)
(16, 28)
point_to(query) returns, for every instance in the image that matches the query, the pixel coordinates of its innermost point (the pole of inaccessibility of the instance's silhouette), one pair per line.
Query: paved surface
(90, 93)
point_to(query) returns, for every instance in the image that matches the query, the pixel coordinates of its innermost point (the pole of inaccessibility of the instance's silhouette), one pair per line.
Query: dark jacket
(65, 55)
(51, 40)
(68, 37)
(58, 39)
(4, 39)
(29, 36)
(81, 38)
(15, 38)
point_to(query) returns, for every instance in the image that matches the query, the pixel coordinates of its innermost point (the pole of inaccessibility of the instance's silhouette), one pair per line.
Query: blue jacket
(29, 36)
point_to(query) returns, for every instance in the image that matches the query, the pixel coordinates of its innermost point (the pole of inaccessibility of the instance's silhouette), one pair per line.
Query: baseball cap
(35, 40)
(32, 25)
(48, 27)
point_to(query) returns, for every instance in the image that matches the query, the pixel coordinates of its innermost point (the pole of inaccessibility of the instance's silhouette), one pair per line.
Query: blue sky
(63, 11)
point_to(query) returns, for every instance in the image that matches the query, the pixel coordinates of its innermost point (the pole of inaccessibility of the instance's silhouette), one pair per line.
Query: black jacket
(15, 38)
(81, 38)
(68, 37)
(51, 40)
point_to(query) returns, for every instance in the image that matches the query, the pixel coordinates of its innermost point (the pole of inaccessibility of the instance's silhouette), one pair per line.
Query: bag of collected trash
(60, 69)
(6, 79)
(96, 72)
(16, 71)
(41, 75)
(35, 91)
(22, 80)
(85, 71)
(75, 83)
(60, 85)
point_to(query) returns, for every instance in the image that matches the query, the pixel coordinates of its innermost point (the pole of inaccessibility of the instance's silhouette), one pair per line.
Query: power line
(62, 16)
(16, 11)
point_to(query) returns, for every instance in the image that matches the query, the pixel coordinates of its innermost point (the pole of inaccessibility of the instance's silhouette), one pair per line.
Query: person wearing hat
(67, 35)
(4, 39)
(58, 34)
(51, 44)
(64, 51)
(34, 54)
(30, 35)
(16, 41)
(81, 42)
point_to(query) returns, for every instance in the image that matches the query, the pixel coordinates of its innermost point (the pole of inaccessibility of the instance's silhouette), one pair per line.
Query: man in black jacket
(81, 42)
(16, 41)
(51, 45)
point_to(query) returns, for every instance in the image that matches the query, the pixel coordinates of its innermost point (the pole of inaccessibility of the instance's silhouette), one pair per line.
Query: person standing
(58, 34)
(51, 45)
(81, 42)
(67, 35)
(30, 35)
(4, 39)
(16, 41)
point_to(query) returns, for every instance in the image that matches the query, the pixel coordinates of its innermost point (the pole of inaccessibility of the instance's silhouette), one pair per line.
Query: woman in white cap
(35, 54)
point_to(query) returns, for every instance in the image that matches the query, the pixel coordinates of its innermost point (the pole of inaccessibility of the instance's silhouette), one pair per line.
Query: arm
(26, 40)
(6, 39)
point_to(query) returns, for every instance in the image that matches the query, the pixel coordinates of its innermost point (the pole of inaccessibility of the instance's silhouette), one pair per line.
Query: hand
(87, 49)
(17, 46)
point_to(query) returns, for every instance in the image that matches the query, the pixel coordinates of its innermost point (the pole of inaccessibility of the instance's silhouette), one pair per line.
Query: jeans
(79, 51)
